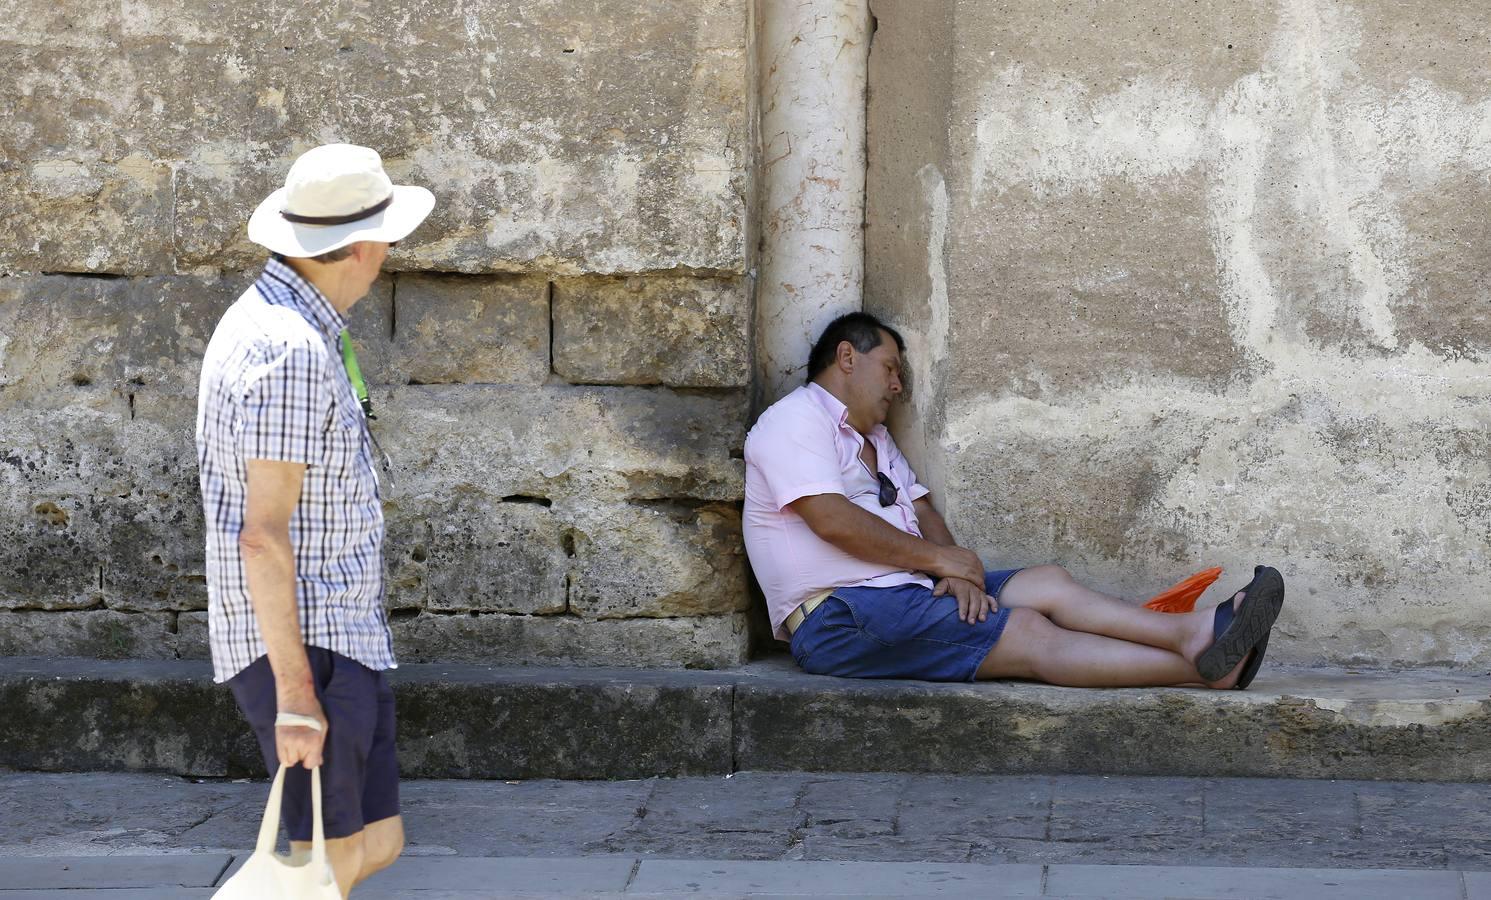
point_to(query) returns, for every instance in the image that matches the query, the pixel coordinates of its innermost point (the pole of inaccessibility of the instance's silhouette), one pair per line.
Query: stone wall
(560, 356)
(1196, 284)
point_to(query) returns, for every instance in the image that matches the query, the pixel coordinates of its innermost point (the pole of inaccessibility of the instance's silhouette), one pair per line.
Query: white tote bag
(268, 875)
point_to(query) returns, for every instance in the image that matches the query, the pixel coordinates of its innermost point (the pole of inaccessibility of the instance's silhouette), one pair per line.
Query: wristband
(295, 720)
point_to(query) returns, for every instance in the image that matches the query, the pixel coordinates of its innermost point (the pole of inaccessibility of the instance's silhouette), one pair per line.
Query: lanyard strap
(354, 373)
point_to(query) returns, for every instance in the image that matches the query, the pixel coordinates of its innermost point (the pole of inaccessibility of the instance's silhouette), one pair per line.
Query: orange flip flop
(1182, 597)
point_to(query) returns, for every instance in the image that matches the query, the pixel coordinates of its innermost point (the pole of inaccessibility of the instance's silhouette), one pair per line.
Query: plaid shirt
(273, 387)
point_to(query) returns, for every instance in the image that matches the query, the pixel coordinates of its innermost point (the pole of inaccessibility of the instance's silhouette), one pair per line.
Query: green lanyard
(354, 373)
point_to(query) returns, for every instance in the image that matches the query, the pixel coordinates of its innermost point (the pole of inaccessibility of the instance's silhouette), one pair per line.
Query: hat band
(338, 220)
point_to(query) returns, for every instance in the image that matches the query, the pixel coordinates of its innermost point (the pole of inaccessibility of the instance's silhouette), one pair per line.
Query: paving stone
(1204, 883)
(529, 819)
(1458, 812)
(888, 848)
(55, 815)
(117, 894)
(1277, 809)
(976, 808)
(850, 807)
(837, 879)
(513, 874)
(66, 873)
(1141, 815)
(1477, 885)
(746, 816)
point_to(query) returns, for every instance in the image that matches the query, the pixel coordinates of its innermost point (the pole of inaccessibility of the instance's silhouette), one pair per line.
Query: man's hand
(956, 562)
(300, 743)
(973, 604)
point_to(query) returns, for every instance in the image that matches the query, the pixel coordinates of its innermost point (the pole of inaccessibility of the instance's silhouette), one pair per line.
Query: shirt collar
(306, 298)
(837, 410)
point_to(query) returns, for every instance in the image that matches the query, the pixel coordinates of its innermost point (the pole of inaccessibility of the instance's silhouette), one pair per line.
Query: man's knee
(1027, 633)
(1038, 587)
(383, 841)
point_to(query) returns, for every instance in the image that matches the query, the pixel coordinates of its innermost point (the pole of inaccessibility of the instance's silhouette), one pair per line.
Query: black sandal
(1245, 630)
(1250, 668)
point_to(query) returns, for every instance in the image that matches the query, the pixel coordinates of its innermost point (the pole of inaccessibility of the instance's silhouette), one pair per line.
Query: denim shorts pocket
(863, 619)
(824, 627)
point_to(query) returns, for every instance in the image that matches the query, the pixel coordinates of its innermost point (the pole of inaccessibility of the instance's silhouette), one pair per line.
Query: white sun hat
(336, 195)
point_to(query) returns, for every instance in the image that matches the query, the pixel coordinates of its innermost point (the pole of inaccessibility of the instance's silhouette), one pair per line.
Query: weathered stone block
(472, 330)
(559, 441)
(191, 636)
(621, 171)
(680, 331)
(702, 643)
(70, 715)
(97, 633)
(101, 504)
(58, 333)
(468, 551)
(657, 560)
(89, 215)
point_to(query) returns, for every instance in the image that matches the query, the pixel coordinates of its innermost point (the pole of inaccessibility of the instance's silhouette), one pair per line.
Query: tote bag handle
(269, 829)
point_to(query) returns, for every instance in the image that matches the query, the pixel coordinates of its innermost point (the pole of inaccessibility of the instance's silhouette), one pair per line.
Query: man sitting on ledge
(863, 577)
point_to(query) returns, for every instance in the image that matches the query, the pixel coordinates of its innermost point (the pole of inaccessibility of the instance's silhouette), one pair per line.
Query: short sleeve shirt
(273, 388)
(803, 446)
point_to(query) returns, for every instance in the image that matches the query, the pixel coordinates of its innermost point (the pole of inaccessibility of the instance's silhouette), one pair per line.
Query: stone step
(467, 721)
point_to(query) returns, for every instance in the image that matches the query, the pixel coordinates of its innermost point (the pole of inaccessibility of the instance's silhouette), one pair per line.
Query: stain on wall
(1214, 296)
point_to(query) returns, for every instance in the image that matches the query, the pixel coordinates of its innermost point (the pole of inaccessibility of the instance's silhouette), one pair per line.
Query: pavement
(131, 836)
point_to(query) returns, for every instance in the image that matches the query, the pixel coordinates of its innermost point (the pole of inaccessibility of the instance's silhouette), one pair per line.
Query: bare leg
(357, 856)
(1034, 647)
(1055, 594)
(346, 856)
(384, 840)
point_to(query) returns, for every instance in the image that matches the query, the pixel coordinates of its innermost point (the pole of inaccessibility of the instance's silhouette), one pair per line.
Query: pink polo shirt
(802, 446)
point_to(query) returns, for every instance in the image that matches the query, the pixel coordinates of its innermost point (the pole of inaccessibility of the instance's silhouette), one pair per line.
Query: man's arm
(972, 601)
(865, 536)
(934, 527)
(269, 563)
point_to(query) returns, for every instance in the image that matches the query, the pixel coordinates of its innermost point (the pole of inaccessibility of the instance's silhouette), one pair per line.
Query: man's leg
(1034, 647)
(355, 857)
(381, 840)
(1051, 591)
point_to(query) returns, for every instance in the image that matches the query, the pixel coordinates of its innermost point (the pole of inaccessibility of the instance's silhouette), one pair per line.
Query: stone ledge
(468, 721)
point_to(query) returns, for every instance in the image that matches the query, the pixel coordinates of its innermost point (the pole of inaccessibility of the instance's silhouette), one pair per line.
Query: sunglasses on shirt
(888, 489)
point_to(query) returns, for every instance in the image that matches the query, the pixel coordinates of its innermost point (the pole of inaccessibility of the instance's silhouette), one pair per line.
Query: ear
(844, 355)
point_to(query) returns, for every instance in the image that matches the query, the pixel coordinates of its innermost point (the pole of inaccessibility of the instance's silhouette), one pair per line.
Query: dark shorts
(359, 770)
(898, 632)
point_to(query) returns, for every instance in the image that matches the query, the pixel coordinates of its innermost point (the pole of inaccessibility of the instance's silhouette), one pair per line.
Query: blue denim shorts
(898, 632)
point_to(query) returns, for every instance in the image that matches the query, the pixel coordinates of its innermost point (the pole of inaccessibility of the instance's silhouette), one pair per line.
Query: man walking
(294, 517)
(863, 576)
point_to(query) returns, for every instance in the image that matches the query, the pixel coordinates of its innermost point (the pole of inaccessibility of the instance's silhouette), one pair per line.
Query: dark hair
(860, 329)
